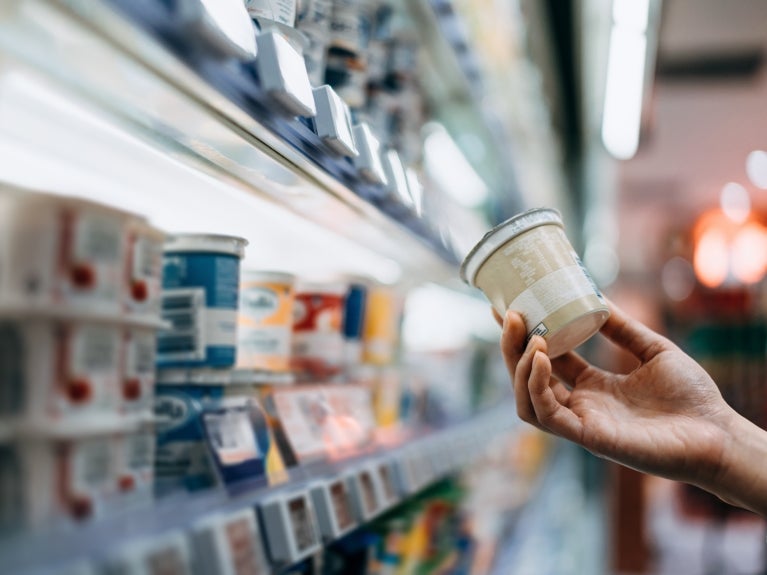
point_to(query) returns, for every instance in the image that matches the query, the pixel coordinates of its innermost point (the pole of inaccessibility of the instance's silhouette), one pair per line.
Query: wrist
(737, 473)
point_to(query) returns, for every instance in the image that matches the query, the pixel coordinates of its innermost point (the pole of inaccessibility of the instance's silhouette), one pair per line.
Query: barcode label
(539, 329)
(95, 349)
(147, 256)
(184, 310)
(98, 239)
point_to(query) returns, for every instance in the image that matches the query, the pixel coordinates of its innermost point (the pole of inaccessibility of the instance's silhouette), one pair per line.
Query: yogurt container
(143, 269)
(528, 265)
(56, 369)
(318, 343)
(265, 320)
(201, 276)
(138, 372)
(59, 251)
(134, 461)
(381, 331)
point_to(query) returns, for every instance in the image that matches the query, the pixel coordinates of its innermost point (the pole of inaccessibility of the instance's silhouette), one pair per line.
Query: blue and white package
(182, 458)
(200, 293)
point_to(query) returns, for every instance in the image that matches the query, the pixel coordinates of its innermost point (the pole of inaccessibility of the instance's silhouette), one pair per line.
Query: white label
(98, 239)
(221, 327)
(91, 466)
(231, 435)
(551, 292)
(327, 346)
(258, 303)
(270, 341)
(95, 350)
(282, 11)
(141, 354)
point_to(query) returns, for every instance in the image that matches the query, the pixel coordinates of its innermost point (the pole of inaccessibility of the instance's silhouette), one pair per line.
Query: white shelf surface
(92, 105)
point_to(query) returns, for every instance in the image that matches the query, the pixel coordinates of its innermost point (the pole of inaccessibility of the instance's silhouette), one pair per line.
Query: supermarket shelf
(210, 115)
(426, 458)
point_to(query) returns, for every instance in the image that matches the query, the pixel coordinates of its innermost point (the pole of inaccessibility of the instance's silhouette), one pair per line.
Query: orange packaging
(265, 320)
(380, 336)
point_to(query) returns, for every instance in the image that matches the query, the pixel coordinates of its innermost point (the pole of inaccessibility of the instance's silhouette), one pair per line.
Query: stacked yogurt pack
(80, 288)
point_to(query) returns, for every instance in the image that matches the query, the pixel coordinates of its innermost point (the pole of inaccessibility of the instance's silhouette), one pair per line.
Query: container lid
(330, 288)
(501, 234)
(206, 243)
(266, 275)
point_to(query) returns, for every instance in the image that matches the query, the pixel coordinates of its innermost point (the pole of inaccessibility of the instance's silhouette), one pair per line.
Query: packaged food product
(527, 264)
(138, 369)
(134, 453)
(201, 276)
(382, 320)
(314, 21)
(318, 345)
(182, 459)
(60, 251)
(354, 320)
(55, 368)
(265, 320)
(143, 277)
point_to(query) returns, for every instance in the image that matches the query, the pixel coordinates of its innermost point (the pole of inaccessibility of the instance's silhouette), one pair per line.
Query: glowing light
(748, 253)
(602, 261)
(756, 168)
(678, 279)
(711, 260)
(735, 202)
(622, 114)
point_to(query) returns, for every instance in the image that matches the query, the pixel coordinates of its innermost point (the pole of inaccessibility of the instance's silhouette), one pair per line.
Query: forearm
(742, 476)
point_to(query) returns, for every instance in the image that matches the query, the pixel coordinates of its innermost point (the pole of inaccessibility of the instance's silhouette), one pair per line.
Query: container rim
(206, 243)
(502, 233)
(250, 274)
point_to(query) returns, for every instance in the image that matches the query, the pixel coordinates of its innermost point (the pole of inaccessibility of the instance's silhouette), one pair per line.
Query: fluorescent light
(756, 168)
(632, 14)
(735, 202)
(449, 169)
(622, 115)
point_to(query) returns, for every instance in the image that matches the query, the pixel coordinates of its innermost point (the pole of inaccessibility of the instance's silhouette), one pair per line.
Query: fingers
(497, 317)
(521, 376)
(632, 335)
(513, 340)
(549, 411)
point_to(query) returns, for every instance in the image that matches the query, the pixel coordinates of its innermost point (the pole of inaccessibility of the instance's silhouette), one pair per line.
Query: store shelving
(422, 459)
(206, 114)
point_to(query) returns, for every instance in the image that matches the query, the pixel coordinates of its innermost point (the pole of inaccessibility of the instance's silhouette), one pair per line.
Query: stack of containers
(79, 311)
(200, 300)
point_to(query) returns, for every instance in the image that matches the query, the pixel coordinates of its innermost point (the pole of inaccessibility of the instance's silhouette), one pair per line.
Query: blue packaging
(200, 293)
(354, 321)
(182, 458)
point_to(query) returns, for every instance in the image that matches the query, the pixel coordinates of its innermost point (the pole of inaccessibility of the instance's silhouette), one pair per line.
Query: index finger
(633, 335)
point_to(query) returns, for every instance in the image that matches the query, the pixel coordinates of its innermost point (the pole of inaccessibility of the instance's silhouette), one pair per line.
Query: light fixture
(626, 62)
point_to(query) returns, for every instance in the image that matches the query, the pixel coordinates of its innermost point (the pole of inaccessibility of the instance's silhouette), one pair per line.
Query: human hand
(666, 417)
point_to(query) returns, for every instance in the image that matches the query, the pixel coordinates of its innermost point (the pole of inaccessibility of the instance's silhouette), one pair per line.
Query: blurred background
(351, 412)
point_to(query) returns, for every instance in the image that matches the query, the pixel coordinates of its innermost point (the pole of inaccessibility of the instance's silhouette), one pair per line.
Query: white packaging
(143, 285)
(66, 368)
(60, 251)
(134, 460)
(281, 11)
(138, 369)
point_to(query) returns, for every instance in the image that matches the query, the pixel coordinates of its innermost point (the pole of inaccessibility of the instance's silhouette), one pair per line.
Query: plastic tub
(265, 320)
(528, 265)
(318, 343)
(201, 276)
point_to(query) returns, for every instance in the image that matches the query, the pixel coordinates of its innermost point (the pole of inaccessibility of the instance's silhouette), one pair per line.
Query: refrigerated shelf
(434, 454)
(206, 114)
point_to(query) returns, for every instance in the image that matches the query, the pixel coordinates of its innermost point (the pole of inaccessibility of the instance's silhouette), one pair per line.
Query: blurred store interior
(366, 426)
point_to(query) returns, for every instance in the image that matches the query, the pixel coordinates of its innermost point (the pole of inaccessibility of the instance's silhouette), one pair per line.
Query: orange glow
(711, 260)
(749, 253)
(724, 248)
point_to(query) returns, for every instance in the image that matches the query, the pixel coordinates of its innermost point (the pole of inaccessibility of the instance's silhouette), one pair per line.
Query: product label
(302, 524)
(340, 500)
(240, 535)
(95, 264)
(282, 11)
(258, 304)
(90, 378)
(231, 435)
(551, 292)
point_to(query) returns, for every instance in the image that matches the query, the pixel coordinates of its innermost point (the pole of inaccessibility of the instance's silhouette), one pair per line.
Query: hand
(666, 417)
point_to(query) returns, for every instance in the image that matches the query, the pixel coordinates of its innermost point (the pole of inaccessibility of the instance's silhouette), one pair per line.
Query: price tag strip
(332, 503)
(228, 544)
(291, 528)
(365, 489)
